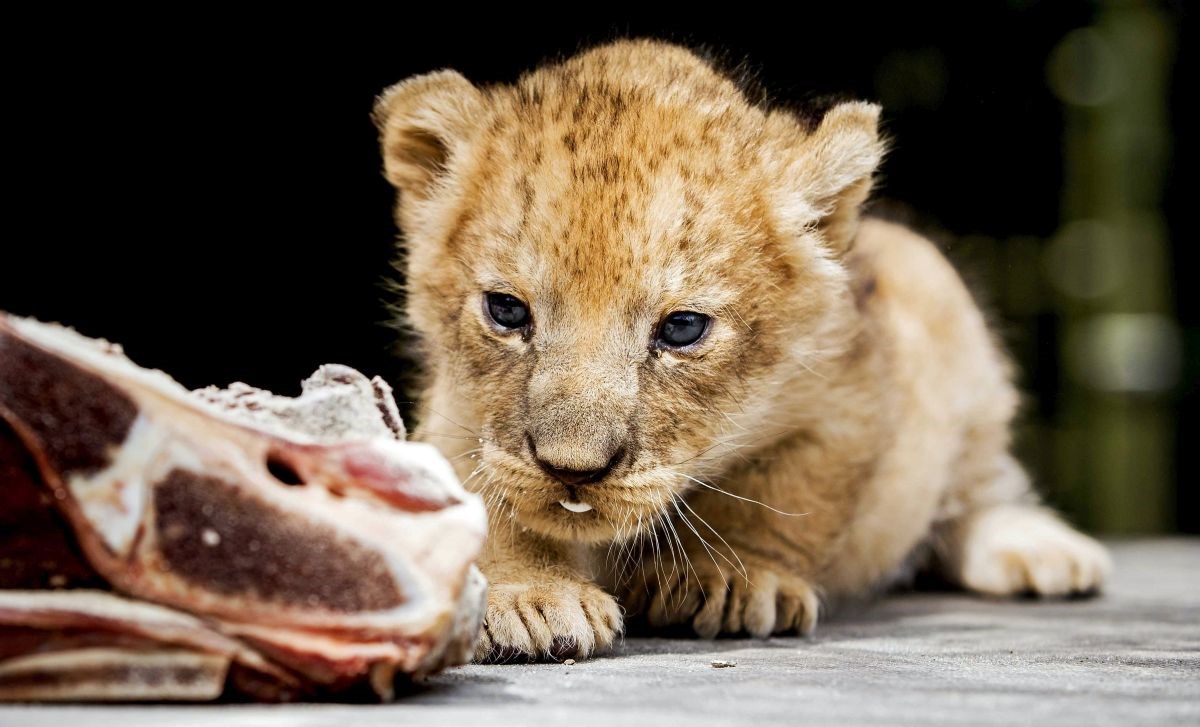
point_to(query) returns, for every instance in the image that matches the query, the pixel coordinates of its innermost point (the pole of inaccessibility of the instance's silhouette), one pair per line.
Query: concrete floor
(1129, 657)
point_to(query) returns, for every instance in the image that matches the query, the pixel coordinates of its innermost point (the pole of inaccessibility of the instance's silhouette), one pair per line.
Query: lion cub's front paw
(555, 619)
(1012, 549)
(759, 600)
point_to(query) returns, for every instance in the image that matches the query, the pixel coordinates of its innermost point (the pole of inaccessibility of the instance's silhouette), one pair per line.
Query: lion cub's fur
(846, 405)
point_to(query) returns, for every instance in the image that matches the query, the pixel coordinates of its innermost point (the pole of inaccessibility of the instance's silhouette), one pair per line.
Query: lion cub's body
(845, 404)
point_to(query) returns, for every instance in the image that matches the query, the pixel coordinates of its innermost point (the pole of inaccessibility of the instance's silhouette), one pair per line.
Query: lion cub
(662, 344)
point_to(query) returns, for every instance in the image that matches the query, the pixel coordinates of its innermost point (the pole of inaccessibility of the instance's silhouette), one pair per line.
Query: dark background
(208, 191)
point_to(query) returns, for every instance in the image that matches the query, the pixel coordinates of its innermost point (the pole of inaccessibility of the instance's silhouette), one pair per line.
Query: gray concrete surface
(1129, 657)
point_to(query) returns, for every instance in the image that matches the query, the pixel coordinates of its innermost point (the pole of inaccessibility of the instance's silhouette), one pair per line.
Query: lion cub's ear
(423, 121)
(827, 173)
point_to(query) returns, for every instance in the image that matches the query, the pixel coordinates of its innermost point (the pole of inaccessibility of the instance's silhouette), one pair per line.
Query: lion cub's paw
(553, 620)
(1013, 549)
(758, 600)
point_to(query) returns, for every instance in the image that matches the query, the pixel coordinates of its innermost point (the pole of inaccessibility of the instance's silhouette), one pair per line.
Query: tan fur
(848, 379)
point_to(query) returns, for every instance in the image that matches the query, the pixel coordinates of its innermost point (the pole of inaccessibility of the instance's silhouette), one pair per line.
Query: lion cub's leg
(723, 584)
(1003, 543)
(540, 605)
(1009, 549)
(744, 560)
(727, 586)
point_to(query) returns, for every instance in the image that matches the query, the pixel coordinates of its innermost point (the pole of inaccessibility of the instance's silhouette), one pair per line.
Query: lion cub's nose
(570, 476)
(579, 477)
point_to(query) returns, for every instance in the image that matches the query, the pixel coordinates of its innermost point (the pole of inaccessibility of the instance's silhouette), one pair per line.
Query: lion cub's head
(619, 267)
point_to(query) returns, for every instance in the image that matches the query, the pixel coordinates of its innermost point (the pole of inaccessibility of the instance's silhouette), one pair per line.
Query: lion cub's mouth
(575, 506)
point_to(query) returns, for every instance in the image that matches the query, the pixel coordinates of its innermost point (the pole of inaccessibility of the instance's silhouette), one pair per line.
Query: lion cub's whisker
(451, 436)
(707, 547)
(714, 488)
(741, 567)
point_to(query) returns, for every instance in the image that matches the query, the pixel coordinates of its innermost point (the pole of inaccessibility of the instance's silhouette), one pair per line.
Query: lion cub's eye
(507, 311)
(682, 328)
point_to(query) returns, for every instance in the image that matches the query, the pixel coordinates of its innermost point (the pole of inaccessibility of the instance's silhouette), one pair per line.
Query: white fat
(575, 506)
(113, 500)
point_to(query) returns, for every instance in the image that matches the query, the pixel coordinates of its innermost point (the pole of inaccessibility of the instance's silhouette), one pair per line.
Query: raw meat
(316, 551)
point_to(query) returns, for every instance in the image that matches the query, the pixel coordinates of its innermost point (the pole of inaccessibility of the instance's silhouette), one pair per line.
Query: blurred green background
(1097, 310)
(1110, 445)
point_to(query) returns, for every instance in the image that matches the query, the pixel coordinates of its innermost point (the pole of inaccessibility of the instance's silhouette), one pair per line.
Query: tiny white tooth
(575, 506)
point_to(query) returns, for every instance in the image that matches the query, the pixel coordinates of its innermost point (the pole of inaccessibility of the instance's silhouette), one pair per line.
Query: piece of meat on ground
(344, 551)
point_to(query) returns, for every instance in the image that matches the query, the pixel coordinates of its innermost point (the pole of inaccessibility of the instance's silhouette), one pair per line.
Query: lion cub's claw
(759, 602)
(547, 621)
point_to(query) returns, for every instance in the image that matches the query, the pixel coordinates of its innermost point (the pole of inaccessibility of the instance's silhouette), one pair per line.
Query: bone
(70, 616)
(113, 675)
(305, 528)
